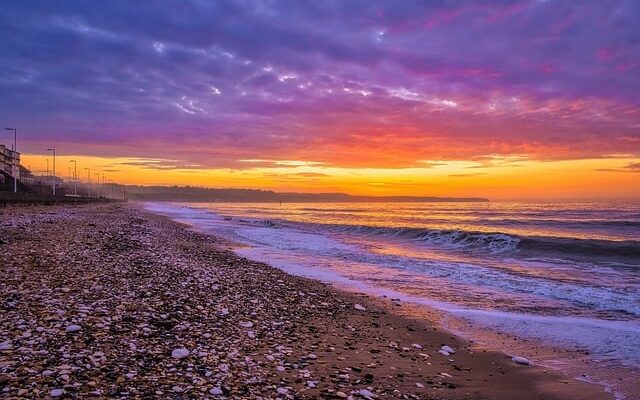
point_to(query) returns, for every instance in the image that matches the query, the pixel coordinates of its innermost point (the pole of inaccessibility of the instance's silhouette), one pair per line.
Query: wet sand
(113, 301)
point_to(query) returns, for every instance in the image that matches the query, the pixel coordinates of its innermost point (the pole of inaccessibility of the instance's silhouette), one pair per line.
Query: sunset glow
(517, 100)
(505, 179)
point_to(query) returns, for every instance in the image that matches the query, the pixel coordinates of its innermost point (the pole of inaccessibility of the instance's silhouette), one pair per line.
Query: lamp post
(75, 177)
(98, 187)
(89, 180)
(54, 169)
(15, 149)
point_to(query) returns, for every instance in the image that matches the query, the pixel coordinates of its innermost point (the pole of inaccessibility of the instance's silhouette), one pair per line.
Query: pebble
(521, 360)
(73, 328)
(366, 393)
(216, 391)
(360, 307)
(56, 392)
(5, 345)
(283, 391)
(177, 389)
(446, 350)
(247, 324)
(180, 353)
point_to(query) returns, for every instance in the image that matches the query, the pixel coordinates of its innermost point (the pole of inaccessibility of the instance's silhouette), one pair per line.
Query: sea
(563, 275)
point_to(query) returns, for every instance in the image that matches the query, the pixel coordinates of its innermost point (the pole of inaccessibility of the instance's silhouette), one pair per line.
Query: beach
(111, 300)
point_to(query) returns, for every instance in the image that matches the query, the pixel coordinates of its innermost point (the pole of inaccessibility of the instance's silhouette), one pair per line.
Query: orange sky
(498, 178)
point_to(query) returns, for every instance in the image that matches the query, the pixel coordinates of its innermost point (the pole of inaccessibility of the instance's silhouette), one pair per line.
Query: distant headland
(198, 194)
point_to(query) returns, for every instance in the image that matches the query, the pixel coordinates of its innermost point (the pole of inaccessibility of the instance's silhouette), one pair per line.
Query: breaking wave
(501, 243)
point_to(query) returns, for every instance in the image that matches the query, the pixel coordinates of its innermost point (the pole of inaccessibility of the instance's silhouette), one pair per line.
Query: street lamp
(54, 169)
(15, 149)
(75, 177)
(89, 180)
(98, 187)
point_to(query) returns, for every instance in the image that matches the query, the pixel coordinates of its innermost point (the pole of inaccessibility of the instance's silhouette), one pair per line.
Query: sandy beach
(113, 301)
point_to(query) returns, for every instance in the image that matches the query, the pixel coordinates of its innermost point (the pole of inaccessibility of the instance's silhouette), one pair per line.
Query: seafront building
(10, 169)
(9, 165)
(30, 183)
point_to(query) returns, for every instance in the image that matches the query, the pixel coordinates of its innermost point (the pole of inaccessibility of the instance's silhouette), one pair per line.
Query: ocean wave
(557, 247)
(267, 223)
(491, 242)
(501, 243)
(624, 251)
(586, 223)
(341, 210)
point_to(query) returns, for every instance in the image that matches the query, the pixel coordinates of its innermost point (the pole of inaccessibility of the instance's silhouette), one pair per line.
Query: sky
(500, 99)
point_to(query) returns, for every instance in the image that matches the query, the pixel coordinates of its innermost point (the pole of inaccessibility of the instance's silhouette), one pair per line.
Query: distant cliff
(196, 194)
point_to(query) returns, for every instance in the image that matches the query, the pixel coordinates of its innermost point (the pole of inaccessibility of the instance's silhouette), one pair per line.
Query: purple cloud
(211, 83)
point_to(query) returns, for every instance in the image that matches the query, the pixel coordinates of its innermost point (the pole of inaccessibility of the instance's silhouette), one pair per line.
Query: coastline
(139, 286)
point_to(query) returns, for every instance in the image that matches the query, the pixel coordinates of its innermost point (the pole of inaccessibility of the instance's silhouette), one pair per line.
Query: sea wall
(9, 198)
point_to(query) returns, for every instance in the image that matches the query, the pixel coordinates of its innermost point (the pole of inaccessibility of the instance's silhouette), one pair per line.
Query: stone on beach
(177, 389)
(521, 360)
(446, 350)
(367, 394)
(73, 328)
(216, 391)
(180, 353)
(359, 307)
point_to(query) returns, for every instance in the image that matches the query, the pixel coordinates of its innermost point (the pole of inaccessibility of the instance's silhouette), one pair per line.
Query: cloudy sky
(361, 96)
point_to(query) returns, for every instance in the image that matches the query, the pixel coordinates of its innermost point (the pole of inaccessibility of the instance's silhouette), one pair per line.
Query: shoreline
(140, 286)
(573, 362)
